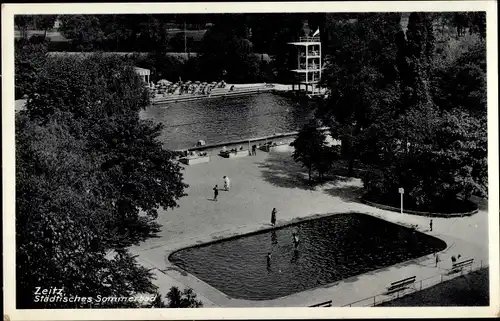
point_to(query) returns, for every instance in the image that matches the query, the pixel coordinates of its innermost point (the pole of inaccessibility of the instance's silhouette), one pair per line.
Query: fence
(418, 285)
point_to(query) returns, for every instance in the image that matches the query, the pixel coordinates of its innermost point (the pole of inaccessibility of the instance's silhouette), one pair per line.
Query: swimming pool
(331, 249)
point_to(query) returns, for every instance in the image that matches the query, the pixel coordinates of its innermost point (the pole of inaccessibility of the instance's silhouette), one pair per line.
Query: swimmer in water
(269, 258)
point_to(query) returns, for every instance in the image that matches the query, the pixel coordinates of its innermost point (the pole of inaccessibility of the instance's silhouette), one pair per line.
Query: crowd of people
(165, 88)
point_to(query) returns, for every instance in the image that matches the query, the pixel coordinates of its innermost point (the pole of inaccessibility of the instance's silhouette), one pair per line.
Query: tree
(84, 31)
(45, 22)
(158, 302)
(104, 95)
(311, 148)
(22, 23)
(442, 158)
(186, 299)
(29, 57)
(362, 77)
(60, 223)
(415, 53)
(461, 83)
(91, 178)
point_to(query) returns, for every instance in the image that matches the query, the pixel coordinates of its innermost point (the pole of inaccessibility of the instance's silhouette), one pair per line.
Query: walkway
(262, 182)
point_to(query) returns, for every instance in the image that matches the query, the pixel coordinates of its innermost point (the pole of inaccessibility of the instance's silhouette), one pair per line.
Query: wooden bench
(401, 284)
(322, 304)
(460, 265)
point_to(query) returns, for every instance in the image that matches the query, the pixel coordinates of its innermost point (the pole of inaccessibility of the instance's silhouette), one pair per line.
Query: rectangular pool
(330, 249)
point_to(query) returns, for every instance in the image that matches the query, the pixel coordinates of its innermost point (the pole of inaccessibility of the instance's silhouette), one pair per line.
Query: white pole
(401, 203)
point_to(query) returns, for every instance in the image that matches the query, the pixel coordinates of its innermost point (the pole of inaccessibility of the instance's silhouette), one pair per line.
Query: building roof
(142, 71)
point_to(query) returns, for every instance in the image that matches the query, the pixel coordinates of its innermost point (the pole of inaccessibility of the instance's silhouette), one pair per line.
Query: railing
(418, 285)
(309, 39)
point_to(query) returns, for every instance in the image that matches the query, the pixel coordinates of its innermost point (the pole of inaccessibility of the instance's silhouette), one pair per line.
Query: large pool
(224, 119)
(331, 249)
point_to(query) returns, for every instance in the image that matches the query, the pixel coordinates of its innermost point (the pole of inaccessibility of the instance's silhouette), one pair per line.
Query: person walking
(226, 183)
(273, 217)
(430, 225)
(216, 192)
(437, 259)
(254, 150)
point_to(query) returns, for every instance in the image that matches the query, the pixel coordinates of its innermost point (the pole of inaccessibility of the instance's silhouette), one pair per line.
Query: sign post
(401, 191)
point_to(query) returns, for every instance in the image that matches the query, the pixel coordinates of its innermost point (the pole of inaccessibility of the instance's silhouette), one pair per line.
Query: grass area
(468, 290)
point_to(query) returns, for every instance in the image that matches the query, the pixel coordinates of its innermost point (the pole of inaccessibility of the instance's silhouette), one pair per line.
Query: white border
(8, 161)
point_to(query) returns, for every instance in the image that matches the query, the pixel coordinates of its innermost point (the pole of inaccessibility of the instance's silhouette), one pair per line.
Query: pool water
(225, 119)
(331, 248)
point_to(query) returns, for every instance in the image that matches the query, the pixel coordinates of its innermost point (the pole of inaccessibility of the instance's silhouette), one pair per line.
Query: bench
(191, 160)
(322, 304)
(401, 284)
(460, 265)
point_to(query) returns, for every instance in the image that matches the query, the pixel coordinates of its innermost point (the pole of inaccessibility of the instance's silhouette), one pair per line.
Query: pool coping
(172, 266)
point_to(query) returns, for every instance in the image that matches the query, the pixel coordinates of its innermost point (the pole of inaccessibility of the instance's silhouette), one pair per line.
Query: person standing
(254, 150)
(216, 192)
(226, 183)
(273, 217)
(430, 225)
(295, 240)
(437, 259)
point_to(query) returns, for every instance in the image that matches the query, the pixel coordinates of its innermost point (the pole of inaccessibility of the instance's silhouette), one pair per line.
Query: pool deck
(259, 183)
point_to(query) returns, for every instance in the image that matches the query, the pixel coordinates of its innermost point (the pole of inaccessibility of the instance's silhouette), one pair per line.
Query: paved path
(259, 183)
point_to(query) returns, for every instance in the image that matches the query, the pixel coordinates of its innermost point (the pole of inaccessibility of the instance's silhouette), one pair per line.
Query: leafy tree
(45, 22)
(435, 154)
(415, 53)
(104, 95)
(117, 29)
(361, 78)
(158, 302)
(91, 176)
(442, 158)
(60, 222)
(185, 299)
(22, 23)
(84, 31)
(462, 82)
(29, 57)
(311, 148)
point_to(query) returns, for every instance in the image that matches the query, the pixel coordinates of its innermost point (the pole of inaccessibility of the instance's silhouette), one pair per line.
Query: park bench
(401, 284)
(322, 304)
(460, 265)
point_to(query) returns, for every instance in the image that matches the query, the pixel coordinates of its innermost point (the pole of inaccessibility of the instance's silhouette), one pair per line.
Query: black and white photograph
(322, 156)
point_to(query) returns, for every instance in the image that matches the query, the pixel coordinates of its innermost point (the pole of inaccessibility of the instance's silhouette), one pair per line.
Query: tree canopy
(415, 117)
(91, 176)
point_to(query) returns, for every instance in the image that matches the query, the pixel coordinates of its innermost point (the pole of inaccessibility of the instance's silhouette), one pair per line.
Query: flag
(316, 33)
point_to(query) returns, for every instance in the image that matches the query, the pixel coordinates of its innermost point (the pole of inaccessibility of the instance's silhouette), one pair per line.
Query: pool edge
(296, 221)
